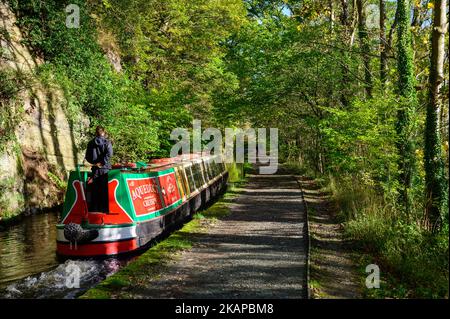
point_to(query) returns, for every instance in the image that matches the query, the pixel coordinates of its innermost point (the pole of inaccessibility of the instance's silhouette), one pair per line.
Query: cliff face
(45, 143)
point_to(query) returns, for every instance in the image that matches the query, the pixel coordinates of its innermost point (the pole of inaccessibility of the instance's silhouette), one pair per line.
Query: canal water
(29, 267)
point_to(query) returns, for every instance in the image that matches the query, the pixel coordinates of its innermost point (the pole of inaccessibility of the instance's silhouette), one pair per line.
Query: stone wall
(47, 143)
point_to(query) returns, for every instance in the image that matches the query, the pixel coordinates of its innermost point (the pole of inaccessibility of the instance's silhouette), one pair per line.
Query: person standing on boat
(98, 153)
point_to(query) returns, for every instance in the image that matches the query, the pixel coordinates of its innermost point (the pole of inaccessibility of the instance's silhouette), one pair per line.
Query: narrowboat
(143, 200)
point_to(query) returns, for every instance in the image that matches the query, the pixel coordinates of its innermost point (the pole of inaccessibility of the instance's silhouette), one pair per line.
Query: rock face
(34, 166)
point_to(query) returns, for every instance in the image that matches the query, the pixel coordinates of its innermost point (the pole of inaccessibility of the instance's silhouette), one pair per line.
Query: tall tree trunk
(405, 113)
(383, 44)
(365, 47)
(331, 5)
(345, 21)
(345, 13)
(436, 194)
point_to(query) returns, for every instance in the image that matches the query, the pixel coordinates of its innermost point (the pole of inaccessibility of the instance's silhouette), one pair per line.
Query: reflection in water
(28, 248)
(29, 267)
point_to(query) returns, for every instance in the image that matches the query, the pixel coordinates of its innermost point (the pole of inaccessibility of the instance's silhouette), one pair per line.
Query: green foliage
(235, 172)
(277, 63)
(7, 194)
(75, 62)
(173, 68)
(303, 76)
(174, 50)
(61, 184)
(405, 54)
(413, 262)
(435, 179)
(407, 254)
(360, 138)
(11, 84)
(134, 133)
(408, 103)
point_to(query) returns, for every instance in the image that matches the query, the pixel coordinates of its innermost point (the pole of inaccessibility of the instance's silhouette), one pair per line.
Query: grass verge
(413, 262)
(333, 272)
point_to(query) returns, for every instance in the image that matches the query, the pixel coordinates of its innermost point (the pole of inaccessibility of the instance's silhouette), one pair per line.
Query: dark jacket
(99, 150)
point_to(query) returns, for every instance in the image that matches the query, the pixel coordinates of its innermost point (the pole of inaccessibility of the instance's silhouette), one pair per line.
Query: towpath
(257, 251)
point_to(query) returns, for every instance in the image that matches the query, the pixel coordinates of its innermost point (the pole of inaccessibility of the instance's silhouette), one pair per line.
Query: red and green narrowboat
(143, 201)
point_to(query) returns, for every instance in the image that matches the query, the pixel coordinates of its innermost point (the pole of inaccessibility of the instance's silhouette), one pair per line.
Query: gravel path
(255, 252)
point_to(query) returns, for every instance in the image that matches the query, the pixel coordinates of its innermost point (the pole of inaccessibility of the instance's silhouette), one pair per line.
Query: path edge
(308, 238)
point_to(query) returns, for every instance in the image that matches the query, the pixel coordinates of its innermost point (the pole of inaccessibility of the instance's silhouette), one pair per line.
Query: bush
(407, 253)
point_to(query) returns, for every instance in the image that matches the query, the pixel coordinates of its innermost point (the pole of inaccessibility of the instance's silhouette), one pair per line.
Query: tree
(407, 92)
(436, 195)
(383, 48)
(365, 47)
(345, 21)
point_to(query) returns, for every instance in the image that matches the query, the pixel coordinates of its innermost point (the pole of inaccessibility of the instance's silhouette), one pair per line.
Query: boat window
(213, 168)
(198, 174)
(204, 175)
(180, 182)
(216, 169)
(190, 177)
(185, 181)
(207, 165)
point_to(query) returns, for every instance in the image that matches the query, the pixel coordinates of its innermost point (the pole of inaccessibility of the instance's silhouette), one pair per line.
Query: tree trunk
(330, 4)
(383, 48)
(436, 196)
(406, 89)
(365, 47)
(345, 21)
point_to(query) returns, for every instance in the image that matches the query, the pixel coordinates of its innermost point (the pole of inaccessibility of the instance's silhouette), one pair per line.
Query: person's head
(100, 131)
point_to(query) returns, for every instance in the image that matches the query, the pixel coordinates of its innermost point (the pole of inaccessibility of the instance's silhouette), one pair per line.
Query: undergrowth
(413, 262)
